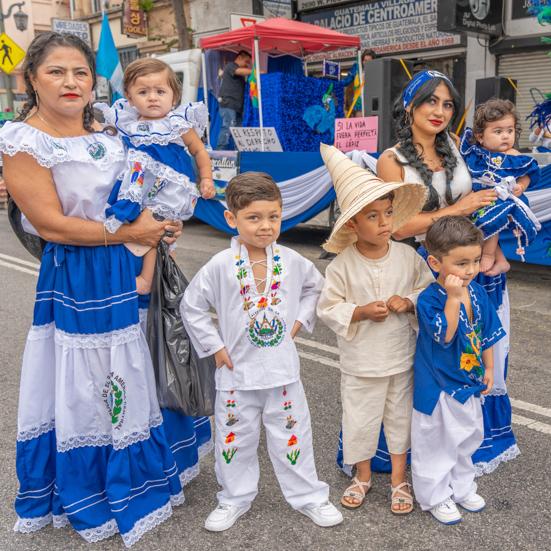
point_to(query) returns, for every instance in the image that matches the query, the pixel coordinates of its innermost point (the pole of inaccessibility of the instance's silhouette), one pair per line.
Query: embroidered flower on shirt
(468, 361)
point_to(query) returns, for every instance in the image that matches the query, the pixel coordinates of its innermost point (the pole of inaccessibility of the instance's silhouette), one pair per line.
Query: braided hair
(37, 52)
(403, 122)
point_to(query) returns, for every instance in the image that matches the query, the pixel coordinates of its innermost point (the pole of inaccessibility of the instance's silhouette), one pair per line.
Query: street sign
(240, 20)
(78, 28)
(10, 54)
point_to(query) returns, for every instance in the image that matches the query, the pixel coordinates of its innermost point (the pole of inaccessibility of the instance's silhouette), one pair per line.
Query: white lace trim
(15, 138)
(107, 439)
(162, 171)
(178, 499)
(112, 224)
(133, 193)
(35, 432)
(497, 391)
(98, 340)
(28, 525)
(147, 523)
(189, 474)
(93, 535)
(161, 131)
(41, 332)
(205, 448)
(170, 214)
(60, 521)
(487, 467)
(82, 340)
(143, 315)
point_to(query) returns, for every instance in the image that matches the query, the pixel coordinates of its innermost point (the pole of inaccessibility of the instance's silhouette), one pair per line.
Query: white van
(187, 65)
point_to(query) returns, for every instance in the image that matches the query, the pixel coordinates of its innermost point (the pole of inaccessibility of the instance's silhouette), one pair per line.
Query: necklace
(241, 273)
(55, 129)
(435, 166)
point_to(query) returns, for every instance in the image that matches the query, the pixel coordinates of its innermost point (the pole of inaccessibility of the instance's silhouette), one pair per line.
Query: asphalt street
(518, 493)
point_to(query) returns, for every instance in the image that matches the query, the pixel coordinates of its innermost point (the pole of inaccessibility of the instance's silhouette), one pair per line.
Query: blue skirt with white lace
(94, 449)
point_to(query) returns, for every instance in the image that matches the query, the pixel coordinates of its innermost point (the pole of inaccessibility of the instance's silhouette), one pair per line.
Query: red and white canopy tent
(277, 37)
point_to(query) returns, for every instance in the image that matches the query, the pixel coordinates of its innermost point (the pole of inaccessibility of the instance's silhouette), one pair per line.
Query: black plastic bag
(34, 244)
(185, 382)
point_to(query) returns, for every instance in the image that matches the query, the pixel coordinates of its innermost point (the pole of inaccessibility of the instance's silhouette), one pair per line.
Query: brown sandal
(360, 496)
(407, 499)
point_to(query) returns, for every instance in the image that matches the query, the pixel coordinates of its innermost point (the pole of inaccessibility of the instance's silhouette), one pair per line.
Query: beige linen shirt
(368, 348)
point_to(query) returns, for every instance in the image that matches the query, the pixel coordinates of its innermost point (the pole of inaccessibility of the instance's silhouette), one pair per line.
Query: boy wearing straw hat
(368, 300)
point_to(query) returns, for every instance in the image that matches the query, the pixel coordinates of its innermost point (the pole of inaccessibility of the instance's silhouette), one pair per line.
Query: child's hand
(223, 358)
(517, 191)
(488, 381)
(522, 185)
(398, 304)
(376, 311)
(453, 286)
(207, 188)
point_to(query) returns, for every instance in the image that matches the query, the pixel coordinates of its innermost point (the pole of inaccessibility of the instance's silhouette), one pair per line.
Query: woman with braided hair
(93, 448)
(427, 152)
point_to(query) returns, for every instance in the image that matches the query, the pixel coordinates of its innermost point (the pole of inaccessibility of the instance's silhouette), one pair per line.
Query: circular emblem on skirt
(266, 329)
(114, 398)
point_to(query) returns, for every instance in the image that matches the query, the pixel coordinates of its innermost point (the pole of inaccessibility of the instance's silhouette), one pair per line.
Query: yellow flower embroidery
(468, 361)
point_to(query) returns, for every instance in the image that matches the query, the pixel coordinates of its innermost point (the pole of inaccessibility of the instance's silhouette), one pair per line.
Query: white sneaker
(446, 513)
(325, 514)
(224, 517)
(473, 504)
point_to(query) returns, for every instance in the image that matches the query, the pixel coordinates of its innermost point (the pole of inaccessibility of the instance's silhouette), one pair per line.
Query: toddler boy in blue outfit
(458, 326)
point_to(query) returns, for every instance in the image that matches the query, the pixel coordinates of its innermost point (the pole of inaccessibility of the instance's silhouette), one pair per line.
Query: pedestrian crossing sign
(10, 54)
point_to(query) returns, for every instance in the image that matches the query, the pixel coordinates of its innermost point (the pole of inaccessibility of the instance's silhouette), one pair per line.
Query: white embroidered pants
(441, 448)
(285, 414)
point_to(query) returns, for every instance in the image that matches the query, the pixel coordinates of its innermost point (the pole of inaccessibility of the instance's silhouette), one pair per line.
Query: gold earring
(37, 99)
(408, 118)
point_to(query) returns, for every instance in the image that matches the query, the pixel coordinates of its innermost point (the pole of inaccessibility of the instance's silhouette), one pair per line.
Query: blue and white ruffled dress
(501, 171)
(93, 448)
(158, 173)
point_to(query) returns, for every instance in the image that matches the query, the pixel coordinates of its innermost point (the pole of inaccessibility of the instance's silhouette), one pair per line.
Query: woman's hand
(175, 228)
(148, 231)
(474, 201)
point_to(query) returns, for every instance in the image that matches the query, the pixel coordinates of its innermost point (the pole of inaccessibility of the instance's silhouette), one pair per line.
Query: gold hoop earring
(408, 118)
(37, 99)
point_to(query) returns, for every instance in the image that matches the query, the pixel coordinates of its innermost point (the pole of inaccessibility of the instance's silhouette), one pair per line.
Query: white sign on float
(249, 139)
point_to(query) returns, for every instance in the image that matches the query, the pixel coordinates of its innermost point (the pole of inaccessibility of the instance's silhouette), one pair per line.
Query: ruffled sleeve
(160, 132)
(98, 149)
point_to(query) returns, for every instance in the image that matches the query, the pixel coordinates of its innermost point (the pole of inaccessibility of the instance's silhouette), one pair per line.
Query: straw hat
(356, 188)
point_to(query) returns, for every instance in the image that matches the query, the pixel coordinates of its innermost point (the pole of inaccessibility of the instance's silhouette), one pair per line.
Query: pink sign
(356, 133)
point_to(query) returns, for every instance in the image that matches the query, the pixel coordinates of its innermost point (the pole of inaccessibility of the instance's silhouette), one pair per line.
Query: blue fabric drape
(285, 64)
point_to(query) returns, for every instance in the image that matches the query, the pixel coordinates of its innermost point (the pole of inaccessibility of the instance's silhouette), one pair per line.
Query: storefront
(522, 57)
(403, 29)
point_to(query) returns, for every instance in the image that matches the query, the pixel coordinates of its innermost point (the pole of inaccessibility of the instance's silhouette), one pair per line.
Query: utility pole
(7, 78)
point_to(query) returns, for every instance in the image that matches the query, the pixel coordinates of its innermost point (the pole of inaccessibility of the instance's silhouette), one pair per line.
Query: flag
(107, 59)
(253, 87)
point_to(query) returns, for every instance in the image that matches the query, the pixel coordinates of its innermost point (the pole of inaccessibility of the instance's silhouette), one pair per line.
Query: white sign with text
(249, 139)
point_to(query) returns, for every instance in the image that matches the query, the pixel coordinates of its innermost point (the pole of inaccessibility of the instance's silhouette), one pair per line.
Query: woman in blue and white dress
(428, 153)
(93, 448)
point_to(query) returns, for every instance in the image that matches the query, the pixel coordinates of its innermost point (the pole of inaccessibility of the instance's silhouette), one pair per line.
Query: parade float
(302, 111)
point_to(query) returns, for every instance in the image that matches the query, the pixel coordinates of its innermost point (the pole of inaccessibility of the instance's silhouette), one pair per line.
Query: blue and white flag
(107, 59)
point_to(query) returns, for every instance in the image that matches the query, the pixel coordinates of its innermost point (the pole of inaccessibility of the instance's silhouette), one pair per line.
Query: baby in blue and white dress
(158, 173)
(487, 149)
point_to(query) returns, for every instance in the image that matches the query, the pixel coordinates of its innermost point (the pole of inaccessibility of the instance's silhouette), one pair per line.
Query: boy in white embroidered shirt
(263, 294)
